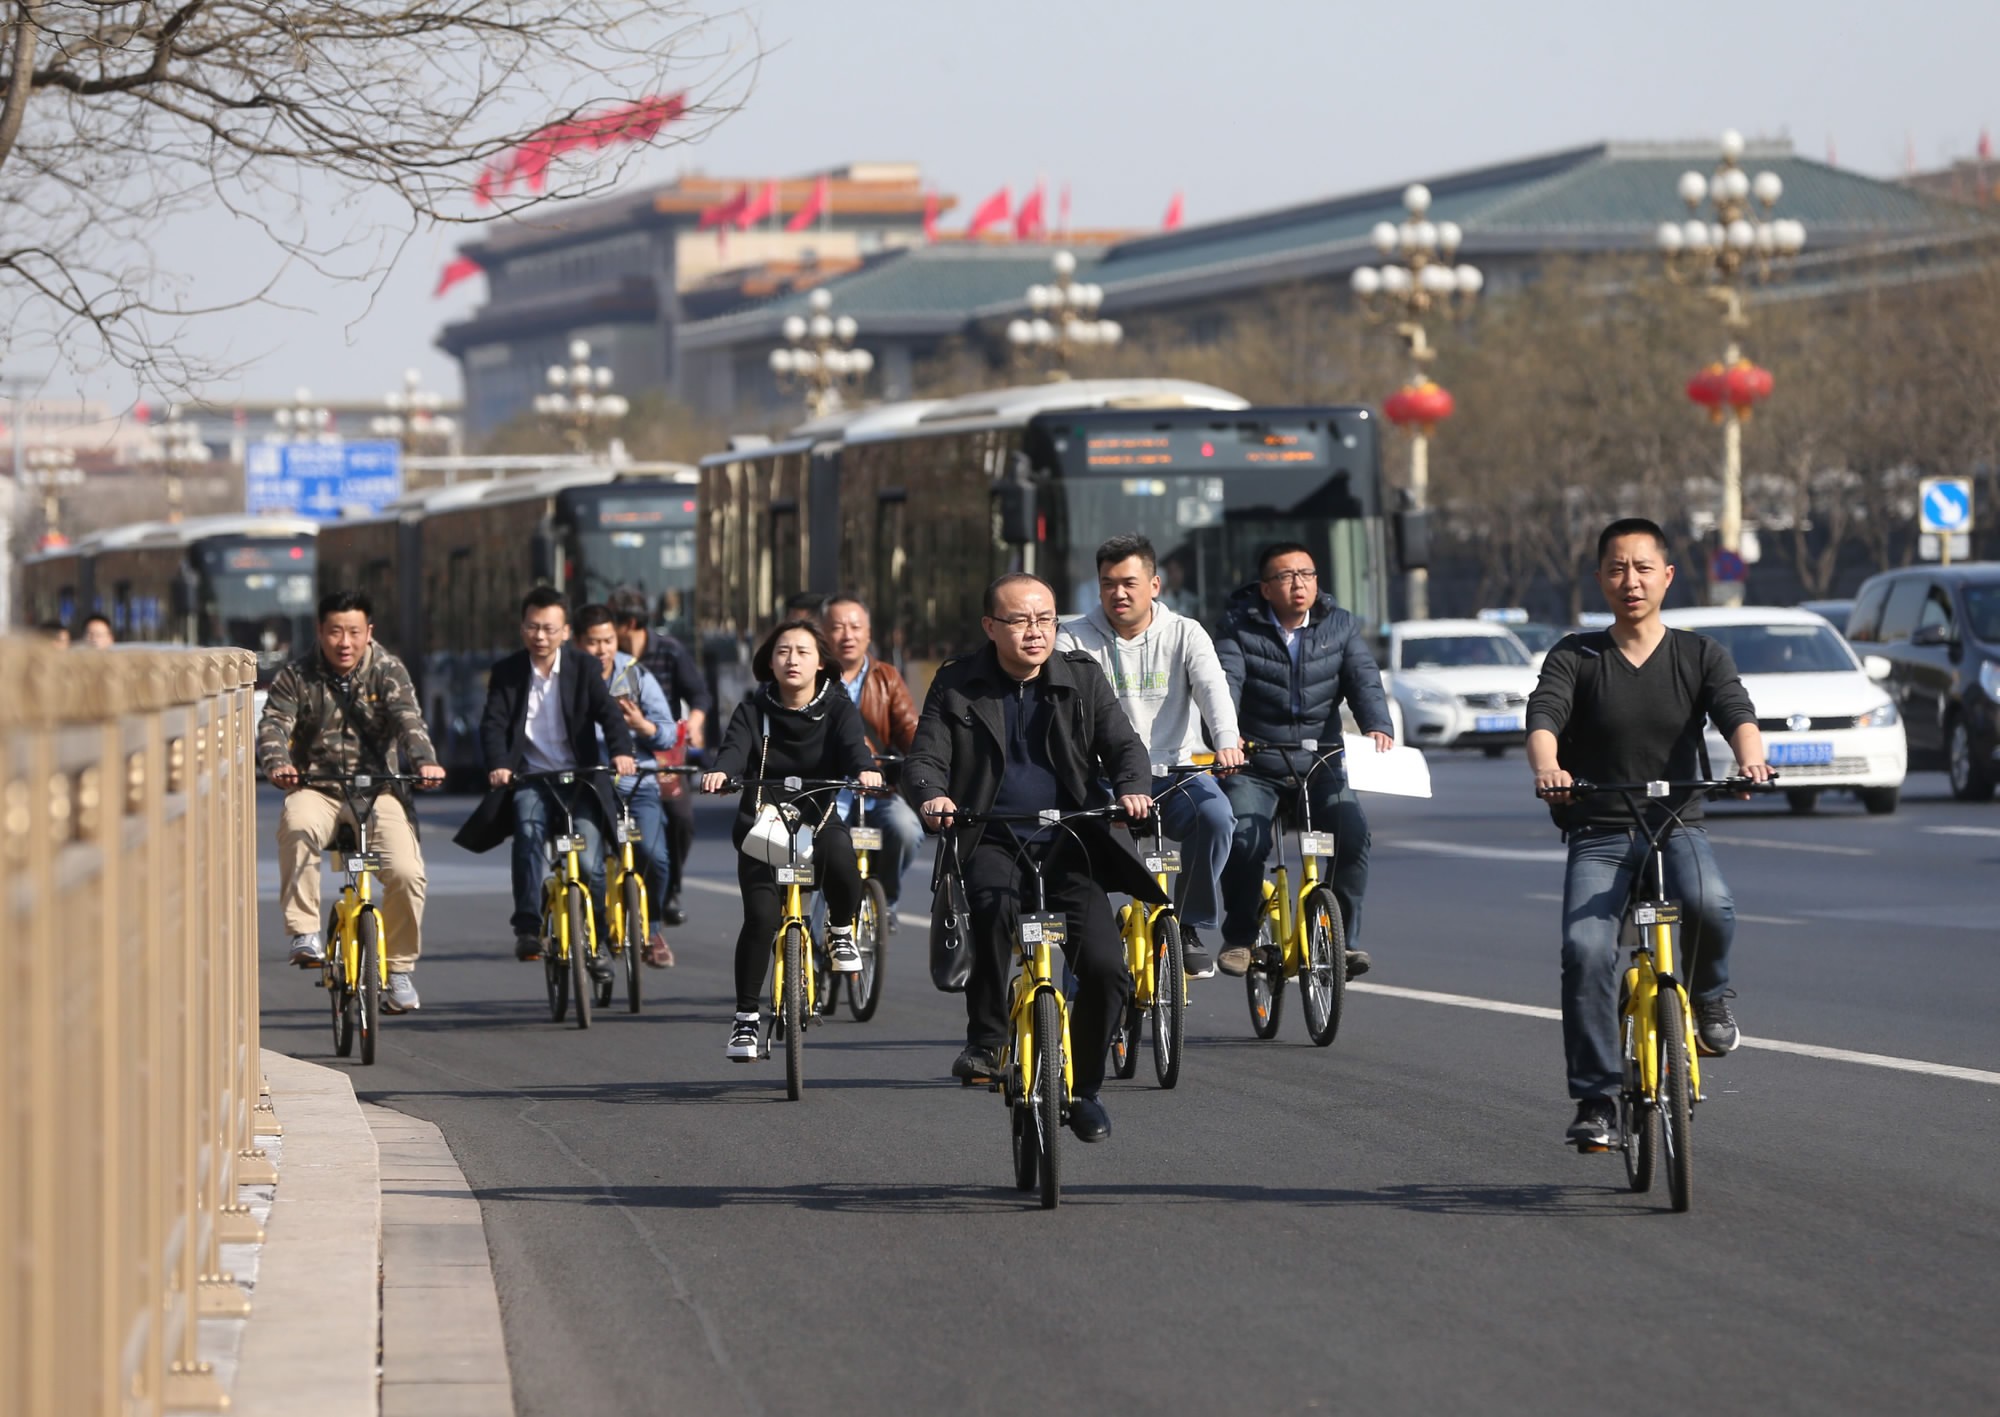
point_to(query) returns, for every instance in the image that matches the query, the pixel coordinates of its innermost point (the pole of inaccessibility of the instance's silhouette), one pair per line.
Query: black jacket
(1334, 664)
(503, 736)
(959, 752)
(823, 739)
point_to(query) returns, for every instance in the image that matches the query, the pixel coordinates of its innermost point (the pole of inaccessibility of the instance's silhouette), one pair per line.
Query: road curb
(309, 1349)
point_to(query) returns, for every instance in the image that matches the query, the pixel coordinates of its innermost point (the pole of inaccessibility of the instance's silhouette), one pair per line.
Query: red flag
(724, 213)
(765, 203)
(931, 206)
(817, 206)
(1176, 209)
(1028, 221)
(464, 268)
(991, 212)
(637, 122)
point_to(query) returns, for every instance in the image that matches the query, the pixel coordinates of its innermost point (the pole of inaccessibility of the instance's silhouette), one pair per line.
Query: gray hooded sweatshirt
(1167, 680)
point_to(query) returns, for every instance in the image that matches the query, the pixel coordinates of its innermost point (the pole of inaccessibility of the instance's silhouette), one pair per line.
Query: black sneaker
(1596, 1117)
(598, 965)
(527, 946)
(975, 1064)
(1195, 958)
(1268, 958)
(1714, 1026)
(1088, 1121)
(1358, 963)
(672, 912)
(742, 1039)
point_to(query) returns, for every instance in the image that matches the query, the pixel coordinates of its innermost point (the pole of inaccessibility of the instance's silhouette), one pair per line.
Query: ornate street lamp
(305, 421)
(52, 470)
(577, 404)
(1427, 278)
(1737, 241)
(1064, 319)
(171, 447)
(413, 415)
(819, 356)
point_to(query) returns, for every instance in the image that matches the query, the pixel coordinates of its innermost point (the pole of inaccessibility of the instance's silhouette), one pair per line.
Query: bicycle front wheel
(1265, 986)
(579, 941)
(871, 937)
(1676, 1100)
(635, 940)
(1323, 979)
(333, 978)
(368, 932)
(1169, 999)
(792, 1011)
(1048, 1096)
(1638, 1123)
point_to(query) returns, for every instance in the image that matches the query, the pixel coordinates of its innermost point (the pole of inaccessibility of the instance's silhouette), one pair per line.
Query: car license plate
(1497, 723)
(1800, 755)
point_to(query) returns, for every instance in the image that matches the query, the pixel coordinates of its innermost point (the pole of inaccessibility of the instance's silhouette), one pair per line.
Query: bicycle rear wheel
(871, 937)
(792, 1011)
(1048, 1097)
(1125, 1042)
(1323, 979)
(579, 941)
(1676, 1100)
(1266, 987)
(634, 941)
(1638, 1123)
(333, 979)
(368, 932)
(1169, 1000)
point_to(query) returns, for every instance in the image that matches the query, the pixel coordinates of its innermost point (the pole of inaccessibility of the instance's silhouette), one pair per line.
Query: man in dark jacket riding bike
(1291, 654)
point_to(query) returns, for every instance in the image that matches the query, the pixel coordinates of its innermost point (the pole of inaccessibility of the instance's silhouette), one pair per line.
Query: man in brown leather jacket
(890, 715)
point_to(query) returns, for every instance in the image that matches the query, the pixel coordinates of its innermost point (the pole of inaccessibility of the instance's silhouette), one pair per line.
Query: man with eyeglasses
(1291, 655)
(1015, 729)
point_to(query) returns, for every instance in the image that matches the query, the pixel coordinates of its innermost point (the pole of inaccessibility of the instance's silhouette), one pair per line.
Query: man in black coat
(1018, 728)
(545, 707)
(1291, 654)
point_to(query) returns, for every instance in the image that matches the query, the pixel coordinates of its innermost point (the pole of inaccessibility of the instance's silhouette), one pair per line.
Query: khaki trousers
(305, 827)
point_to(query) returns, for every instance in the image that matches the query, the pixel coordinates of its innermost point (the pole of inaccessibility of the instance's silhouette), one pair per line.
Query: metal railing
(128, 971)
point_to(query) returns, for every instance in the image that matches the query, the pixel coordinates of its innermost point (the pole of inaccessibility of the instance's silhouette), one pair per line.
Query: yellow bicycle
(1156, 956)
(871, 920)
(626, 918)
(356, 968)
(569, 917)
(1299, 935)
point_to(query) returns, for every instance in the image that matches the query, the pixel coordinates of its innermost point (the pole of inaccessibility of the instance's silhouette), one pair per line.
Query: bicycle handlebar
(1660, 789)
(1054, 817)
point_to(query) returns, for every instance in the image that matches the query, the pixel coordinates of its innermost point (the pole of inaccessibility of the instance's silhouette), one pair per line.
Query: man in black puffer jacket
(1291, 655)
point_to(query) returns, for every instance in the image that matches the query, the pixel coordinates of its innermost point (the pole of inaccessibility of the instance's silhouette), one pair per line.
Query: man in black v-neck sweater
(1627, 704)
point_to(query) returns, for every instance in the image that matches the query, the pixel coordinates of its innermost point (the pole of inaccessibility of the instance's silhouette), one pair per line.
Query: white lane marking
(1469, 852)
(1821, 848)
(1963, 831)
(1768, 1045)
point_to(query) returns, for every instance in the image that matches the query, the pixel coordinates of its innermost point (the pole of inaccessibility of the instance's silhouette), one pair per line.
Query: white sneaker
(402, 995)
(742, 1039)
(842, 957)
(306, 951)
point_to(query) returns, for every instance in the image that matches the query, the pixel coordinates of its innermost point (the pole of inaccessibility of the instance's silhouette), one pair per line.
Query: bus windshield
(638, 542)
(258, 596)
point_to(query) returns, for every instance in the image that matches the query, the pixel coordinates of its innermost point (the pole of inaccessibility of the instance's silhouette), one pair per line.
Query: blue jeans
(651, 854)
(902, 835)
(1255, 801)
(1596, 884)
(534, 808)
(1196, 814)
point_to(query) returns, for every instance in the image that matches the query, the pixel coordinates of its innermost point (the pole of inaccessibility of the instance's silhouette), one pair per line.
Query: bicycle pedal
(1593, 1149)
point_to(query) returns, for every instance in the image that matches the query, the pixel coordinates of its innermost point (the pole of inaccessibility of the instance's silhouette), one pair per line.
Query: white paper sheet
(1400, 772)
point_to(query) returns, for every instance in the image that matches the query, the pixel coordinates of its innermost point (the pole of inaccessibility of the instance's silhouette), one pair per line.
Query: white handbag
(770, 836)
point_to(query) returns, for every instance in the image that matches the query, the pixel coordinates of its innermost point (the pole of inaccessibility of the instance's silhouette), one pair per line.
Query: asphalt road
(1391, 1224)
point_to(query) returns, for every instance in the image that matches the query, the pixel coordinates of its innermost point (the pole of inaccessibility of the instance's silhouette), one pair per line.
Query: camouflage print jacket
(318, 722)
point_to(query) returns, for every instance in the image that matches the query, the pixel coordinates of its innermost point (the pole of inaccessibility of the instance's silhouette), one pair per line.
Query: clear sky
(1241, 106)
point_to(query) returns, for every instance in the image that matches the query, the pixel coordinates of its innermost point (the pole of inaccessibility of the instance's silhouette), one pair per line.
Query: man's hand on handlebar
(939, 812)
(430, 775)
(623, 765)
(1136, 805)
(286, 777)
(1228, 758)
(1553, 783)
(871, 780)
(499, 777)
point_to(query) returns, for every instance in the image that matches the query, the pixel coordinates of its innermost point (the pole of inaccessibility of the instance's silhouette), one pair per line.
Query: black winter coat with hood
(826, 738)
(1334, 664)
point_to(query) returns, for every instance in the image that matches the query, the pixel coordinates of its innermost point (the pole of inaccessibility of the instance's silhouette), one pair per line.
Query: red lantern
(1736, 388)
(1425, 404)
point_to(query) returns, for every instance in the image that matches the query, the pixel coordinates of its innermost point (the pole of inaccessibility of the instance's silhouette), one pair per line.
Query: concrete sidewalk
(371, 1292)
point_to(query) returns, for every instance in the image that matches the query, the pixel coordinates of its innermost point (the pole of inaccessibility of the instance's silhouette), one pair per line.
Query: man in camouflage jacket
(347, 706)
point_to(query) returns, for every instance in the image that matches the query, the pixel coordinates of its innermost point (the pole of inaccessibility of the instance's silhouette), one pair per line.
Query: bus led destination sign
(1191, 448)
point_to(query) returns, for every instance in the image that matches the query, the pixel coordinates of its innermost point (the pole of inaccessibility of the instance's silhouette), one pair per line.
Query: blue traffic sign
(323, 481)
(1944, 505)
(1727, 567)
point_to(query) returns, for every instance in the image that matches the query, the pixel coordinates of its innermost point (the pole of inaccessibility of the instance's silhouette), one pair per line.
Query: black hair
(592, 615)
(1124, 547)
(96, 617)
(992, 601)
(760, 663)
(1283, 548)
(845, 598)
(1633, 526)
(340, 602)
(541, 598)
(805, 605)
(53, 627)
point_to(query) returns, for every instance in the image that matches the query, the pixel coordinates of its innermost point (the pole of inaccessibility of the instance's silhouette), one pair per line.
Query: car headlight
(1421, 695)
(1877, 718)
(1989, 679)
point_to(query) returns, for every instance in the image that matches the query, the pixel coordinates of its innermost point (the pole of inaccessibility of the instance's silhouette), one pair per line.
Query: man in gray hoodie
(1162, 667)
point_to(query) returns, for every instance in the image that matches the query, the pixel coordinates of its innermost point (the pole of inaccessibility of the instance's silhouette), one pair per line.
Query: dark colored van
(1939, 629)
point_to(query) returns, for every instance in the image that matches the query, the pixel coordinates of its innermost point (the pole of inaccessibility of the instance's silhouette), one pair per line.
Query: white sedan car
(1827, 722)
(1460, 683)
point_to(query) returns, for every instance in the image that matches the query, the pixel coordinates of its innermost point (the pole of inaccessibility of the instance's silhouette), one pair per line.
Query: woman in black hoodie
(798, 722)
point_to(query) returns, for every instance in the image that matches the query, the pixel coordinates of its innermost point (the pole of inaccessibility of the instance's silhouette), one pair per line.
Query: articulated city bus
(447, 569)
(235, 581)
(916, 506)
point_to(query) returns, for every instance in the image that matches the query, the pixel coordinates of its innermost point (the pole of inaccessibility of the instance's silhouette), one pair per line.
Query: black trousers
(680, 834)
(999, 888)
(764, 906)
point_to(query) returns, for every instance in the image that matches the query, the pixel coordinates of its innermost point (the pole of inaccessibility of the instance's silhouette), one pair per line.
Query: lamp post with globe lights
(1063, 318)
(414, 415)
(819, 355)
(1422, 276)
(51, 470)
(305, 421)
(174, 445)
(1736, 241)
(578, 402)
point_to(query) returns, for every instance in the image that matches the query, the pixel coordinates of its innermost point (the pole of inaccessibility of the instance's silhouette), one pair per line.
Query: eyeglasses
(1291, 578)
(534, 631)
(1025, 622)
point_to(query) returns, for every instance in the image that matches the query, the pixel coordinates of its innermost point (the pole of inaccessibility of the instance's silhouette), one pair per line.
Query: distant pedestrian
(55, 632)
(673, 665)
(97, 631)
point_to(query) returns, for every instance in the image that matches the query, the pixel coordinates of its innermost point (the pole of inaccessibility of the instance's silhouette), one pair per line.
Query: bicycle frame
(357, 896)
(1654, 965)
(566, 866)
(1138, 923)
(1285, 906)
